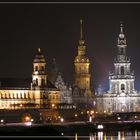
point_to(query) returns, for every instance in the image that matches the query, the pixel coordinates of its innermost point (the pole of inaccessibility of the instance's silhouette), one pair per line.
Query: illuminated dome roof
(82, 59)
(39, 57)
(121, 36)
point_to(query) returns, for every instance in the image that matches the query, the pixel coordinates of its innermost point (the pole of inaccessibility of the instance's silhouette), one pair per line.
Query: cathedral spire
(81, 41)
(39, 50)
(81, 29)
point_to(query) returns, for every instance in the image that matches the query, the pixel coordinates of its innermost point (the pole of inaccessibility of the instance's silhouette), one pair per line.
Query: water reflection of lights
(100, 135)
(123, 135)
(76, 138)
(105, 136)
(91, 137)
(136, 135)
(119, 135)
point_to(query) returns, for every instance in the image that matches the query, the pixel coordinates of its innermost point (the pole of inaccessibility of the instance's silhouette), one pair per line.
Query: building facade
(66, 91)
(36, 92)
(122, 96)
(57, 80)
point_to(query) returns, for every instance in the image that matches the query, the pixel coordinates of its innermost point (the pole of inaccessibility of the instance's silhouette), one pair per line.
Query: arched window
(122, 70)
(36, 68)
(122, 87)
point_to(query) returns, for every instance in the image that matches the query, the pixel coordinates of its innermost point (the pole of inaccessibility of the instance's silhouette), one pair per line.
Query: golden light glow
(87, 112)
(76, 138)
(27, 118)
(53, 105)
(92, 112)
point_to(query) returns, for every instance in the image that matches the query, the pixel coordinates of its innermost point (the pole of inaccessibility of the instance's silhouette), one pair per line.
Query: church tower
(54, 71)
(81, 62)
(39, 77)
(122, 80)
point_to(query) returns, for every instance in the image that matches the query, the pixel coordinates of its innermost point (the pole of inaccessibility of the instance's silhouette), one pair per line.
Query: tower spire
(39, 50)
(121, 41)
(121, 38)
(81, 29)
(121, 35)
(81, 41)
(121, 27)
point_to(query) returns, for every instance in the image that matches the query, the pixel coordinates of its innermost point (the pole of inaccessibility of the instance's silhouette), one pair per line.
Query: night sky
(55, 28)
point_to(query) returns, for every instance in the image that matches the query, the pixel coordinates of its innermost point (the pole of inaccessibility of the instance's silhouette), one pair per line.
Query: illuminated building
(37, 92)
(81, 90)
(58, 81)
(122, 96)
(66, 91)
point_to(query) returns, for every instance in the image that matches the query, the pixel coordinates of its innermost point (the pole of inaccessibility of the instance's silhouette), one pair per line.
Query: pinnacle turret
(121, 41)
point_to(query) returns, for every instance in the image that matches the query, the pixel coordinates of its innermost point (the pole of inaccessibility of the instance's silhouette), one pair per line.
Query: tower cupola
(39, 77)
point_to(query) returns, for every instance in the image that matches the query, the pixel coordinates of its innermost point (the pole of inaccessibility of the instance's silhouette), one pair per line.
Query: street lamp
(2, 121)
(32, 120)
(62, 120)
(118, 118)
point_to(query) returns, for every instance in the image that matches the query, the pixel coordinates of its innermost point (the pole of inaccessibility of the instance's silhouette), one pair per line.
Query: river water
(112, 135)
